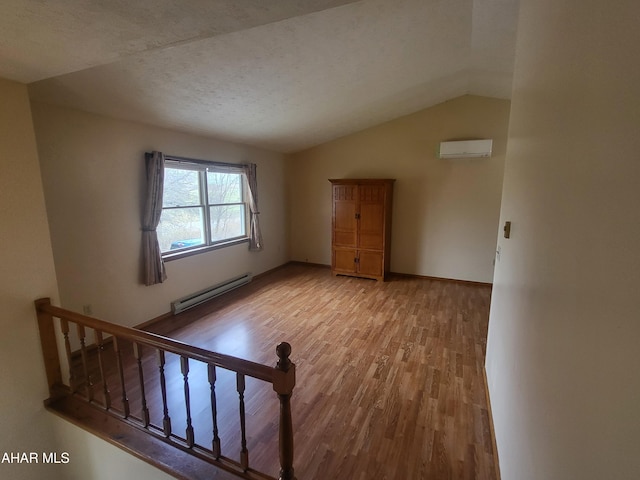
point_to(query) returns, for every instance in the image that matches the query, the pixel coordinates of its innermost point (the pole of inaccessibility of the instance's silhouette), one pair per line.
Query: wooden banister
(281, 376)
(283, 385)
(246, 367)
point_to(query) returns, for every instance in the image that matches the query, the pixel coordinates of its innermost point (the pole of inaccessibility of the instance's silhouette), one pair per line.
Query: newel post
(49, 347)
(283, 383)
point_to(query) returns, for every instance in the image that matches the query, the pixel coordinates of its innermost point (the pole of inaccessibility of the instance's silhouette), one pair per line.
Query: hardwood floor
(389, 375)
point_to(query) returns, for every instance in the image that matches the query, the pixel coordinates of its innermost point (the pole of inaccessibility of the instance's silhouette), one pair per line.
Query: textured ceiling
(283, 75)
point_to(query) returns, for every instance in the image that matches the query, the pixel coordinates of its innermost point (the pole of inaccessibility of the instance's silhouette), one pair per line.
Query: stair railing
(108, 336)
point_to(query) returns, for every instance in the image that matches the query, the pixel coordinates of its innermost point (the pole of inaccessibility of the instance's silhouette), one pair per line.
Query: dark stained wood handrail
(282, 376)
(245, 367)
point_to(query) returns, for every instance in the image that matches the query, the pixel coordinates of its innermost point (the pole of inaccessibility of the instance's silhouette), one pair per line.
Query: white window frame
(202, 168)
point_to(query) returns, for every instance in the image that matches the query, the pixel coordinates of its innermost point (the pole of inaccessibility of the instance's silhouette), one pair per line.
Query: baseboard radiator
(197, 298)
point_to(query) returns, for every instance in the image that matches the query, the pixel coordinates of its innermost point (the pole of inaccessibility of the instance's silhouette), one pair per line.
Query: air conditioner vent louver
(197, 298)
(465, 149)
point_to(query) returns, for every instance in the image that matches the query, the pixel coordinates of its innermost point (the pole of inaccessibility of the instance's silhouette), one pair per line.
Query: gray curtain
(153, 264)
(255, 236)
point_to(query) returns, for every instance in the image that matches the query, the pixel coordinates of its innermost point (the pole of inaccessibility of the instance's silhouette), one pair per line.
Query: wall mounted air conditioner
(465, 149)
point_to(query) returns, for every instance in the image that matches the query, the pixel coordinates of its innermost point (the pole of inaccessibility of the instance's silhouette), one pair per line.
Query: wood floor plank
(389, 375)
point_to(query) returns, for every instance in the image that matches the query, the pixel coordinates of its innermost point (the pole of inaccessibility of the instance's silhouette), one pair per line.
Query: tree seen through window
(201, 206)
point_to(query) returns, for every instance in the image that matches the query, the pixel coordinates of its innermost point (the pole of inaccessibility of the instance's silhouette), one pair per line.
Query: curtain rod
(198, 161)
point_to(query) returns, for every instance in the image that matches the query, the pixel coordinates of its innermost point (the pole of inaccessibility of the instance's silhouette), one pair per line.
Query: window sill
(170, 256)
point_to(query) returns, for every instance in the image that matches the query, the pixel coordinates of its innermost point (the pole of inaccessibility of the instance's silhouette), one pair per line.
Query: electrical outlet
(87, 309)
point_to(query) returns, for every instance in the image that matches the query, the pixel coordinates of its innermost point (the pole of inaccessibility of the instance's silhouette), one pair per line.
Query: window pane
(224, 187)
(181, 228)
(227, 221)
(181, 188)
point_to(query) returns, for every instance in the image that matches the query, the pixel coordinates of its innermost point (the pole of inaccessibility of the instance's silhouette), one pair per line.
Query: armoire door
(371, 217)
(345, 223)
(370, 263)
(344, 260)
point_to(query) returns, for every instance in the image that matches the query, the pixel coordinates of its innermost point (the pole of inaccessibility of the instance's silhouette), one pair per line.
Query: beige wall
(27, 272)
(445, 213)
(91, 458)
(93, 175)
(564, 334)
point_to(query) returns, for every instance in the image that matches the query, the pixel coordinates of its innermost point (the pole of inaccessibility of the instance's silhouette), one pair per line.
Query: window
(203, 205)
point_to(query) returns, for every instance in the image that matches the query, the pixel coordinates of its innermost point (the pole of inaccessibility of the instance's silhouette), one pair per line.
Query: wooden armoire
(361, 227)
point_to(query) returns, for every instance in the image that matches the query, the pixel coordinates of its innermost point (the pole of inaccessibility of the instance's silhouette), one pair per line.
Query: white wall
(445, 212)
(93, 175)
(564, 334)
(26, 273)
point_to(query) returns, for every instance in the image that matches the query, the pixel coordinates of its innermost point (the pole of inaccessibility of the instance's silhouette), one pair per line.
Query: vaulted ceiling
(284, 75)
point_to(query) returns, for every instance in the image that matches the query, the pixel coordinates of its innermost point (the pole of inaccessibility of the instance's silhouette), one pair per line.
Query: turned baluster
(283, 384)
(144, 413)
(214, 411)
(105, 387)
(166, 420)
(64, 326)
(85, 367)
(125, 400)
(244, 453)
(184, 367)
